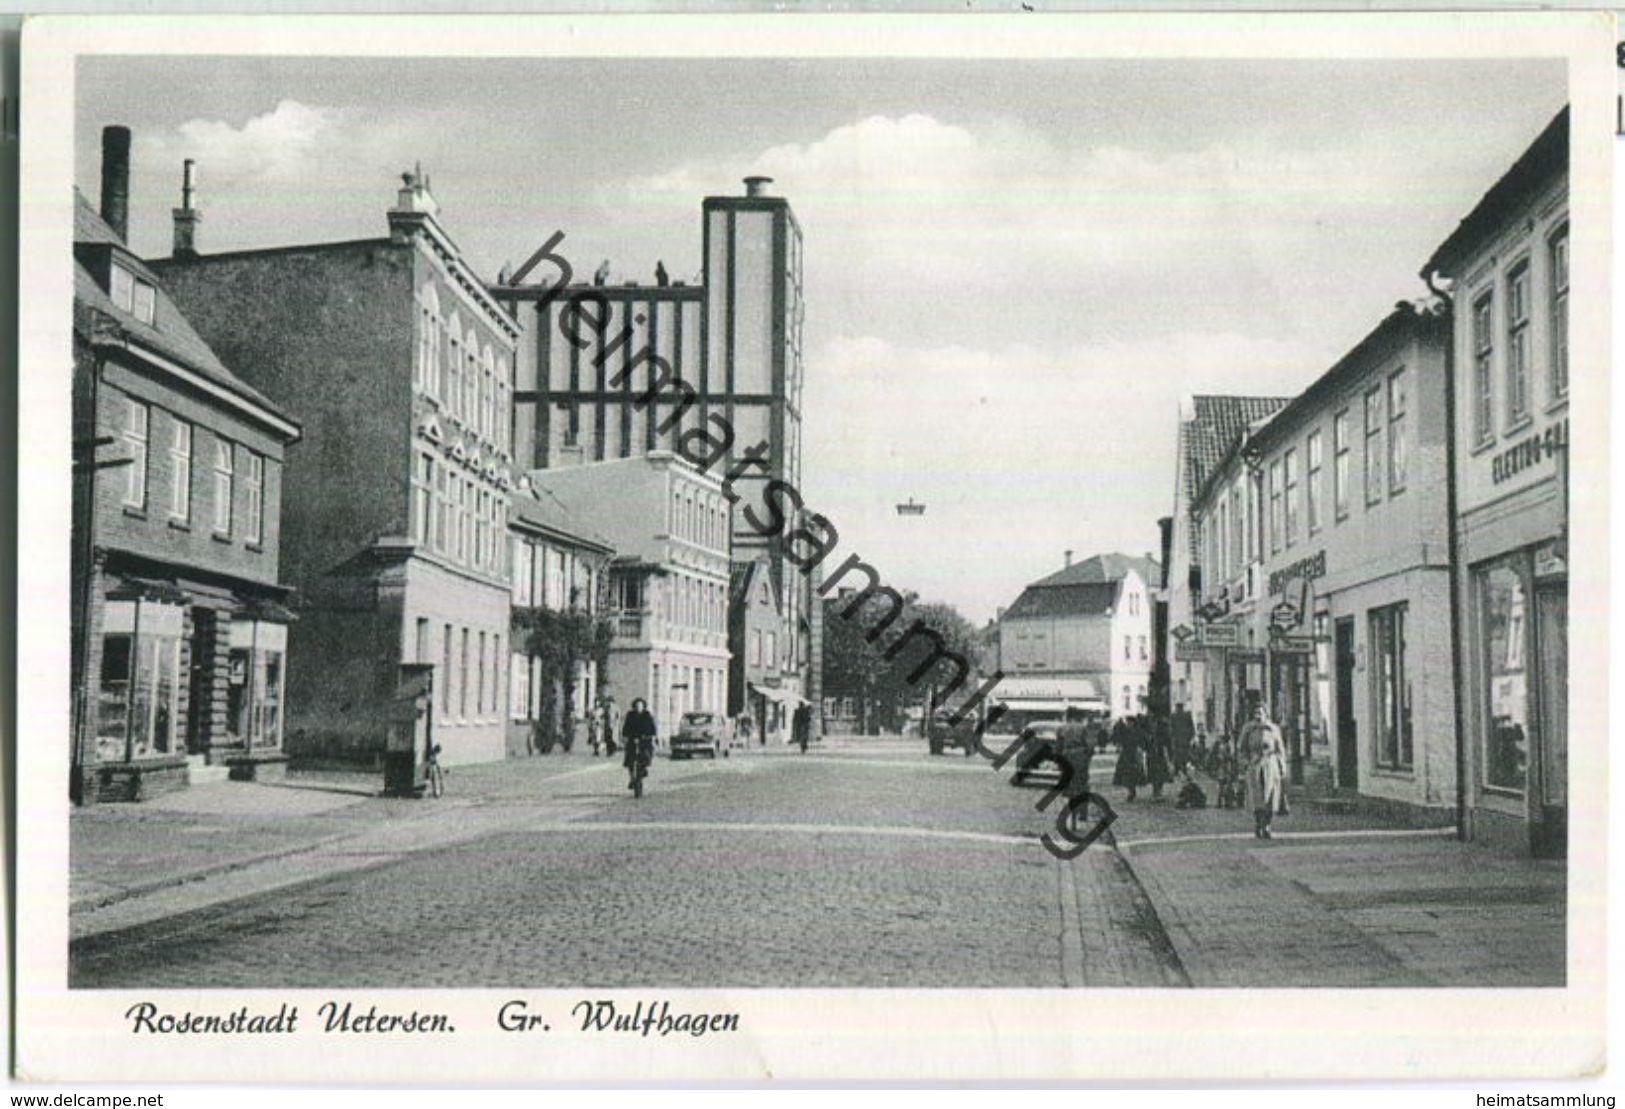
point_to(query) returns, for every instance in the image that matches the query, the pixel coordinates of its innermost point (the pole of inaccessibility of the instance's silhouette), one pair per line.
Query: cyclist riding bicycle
(638, 735)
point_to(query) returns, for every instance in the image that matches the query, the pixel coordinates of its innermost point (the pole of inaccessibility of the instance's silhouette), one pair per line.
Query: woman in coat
(638, 738)
(1263, 753)
(1130, 772)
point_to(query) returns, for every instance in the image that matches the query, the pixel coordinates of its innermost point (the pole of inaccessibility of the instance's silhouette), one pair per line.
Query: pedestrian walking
(1181, 734)
(638, 739)
(1158, 771)
(801, 727)
(612, 722)
(1130, 772)
(1263, 752)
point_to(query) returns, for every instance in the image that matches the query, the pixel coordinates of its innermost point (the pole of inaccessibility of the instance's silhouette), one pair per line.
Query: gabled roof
(1101, 569)
(549, 515)
(1545, 159)
(1206, 438)
(1083, 599)
(170, 334)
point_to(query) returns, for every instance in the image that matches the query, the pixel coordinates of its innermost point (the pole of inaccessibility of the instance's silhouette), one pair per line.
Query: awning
(1048, 690)
(779, 696)
(149, 589)
(1050, 706)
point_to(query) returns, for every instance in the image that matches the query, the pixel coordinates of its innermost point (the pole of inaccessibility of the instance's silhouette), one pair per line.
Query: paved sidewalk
(132, 862)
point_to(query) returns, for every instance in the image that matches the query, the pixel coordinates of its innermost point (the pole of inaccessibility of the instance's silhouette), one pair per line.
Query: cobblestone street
(861, 864)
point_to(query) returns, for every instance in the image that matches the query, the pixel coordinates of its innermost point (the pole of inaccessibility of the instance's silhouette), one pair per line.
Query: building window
(1290, 467)
(462, 678)
(1373, 444)
(1397, 446)
(451, 382)
(222, 487)
(423, 500)
(1391, 697)
(1559, 313)
(1518, 345)
(1275, 505)
(122, 288)
(479, 688)
(1128, 647)
(1143, 655)
(254, 482)
(180, 471)
(139, 688)
(1483, 359)
(1340, 464)
(521, 572)
(137, 417)
(1312, 448)
(145, 306)
(518, 686)
(444, 692)
(1128, 700)
(1502, 600)
(756, 646)
(488, 402)
(471, 380)
(1238, 527)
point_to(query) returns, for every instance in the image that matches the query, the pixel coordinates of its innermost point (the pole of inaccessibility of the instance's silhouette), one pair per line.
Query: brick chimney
(415, 205)
(1069, 556)
(116, 180)
(186, 216)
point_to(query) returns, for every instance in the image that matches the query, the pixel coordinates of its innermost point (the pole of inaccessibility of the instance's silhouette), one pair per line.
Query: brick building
(1508, 268)
(668, 583)
(396, 532)
(179, 627)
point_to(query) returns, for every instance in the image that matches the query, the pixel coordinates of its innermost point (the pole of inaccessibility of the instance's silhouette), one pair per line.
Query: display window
(1503, 593)
(139, 689)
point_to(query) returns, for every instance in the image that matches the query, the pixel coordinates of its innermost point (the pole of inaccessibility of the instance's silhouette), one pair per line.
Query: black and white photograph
(609, 531)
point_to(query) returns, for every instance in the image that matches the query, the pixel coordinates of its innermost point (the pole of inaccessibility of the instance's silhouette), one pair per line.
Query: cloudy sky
(1015, 270)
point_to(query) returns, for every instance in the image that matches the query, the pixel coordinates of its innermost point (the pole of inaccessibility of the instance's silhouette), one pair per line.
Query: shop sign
(1220, 635)
(1293, 645)
(1189, 652)
(1247, 655)
(1182, 632)
(1531, 451)
(1314, 566)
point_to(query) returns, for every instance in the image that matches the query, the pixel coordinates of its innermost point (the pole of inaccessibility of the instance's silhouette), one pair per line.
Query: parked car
(1044, 752)
(943, 733)
(699, 732)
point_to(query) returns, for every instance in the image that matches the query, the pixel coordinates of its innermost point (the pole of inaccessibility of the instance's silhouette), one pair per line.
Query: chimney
(116, 180)
(1069, 556)
(757, 186)
(186, 216)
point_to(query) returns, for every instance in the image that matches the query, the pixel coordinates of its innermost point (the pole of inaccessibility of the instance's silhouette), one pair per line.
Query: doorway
(1348, 739)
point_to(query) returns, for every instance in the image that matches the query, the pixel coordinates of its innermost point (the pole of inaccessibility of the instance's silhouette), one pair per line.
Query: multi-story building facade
(761, 666)
(619, 371)
(559, 569)
(179, 625)
(1208, 427)
(1091, 620)
(1350, 569)
(668, 583)
(1508, 268)
(396, 532)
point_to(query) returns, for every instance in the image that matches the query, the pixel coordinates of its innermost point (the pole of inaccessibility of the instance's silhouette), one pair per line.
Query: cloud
(281, 146)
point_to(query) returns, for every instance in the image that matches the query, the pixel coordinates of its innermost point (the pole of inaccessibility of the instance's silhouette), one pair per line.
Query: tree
(885, 686)
(561, 641)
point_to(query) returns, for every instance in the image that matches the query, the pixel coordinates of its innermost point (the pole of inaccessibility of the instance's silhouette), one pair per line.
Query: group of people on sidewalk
(1155, 750)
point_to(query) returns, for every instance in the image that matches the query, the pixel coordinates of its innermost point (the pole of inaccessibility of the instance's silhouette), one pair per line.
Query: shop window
(139, 686)
(254, 683)
(1518, 345)
(1559, 313)
(1502, 607)
(137, 417)
(1391, 697)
